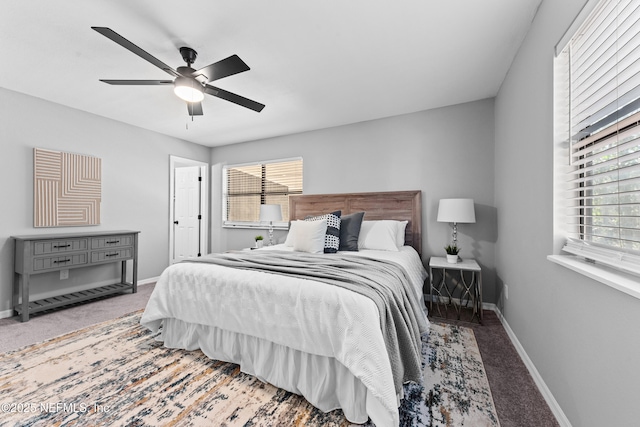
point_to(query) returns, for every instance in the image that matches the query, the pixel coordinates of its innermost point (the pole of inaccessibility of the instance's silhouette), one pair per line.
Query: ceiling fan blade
(232, 97)
(194, 108)
(138, 82)
(223, 68)
(110, 34)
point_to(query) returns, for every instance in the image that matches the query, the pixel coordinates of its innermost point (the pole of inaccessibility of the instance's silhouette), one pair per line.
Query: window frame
(280, 225)
(616, 267)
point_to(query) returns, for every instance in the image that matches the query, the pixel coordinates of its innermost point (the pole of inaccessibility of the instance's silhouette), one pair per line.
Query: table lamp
(455, 211)
(270, 213)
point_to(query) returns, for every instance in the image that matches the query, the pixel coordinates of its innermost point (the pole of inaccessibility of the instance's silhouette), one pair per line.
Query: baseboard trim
(148, 281)
(537, 378)
(9, 313)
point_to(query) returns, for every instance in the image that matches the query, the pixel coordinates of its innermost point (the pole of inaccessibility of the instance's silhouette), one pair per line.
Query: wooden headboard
(397, 205)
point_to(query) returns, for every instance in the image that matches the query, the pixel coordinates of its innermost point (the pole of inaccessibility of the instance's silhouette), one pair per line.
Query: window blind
(604, 177)
(248, 186)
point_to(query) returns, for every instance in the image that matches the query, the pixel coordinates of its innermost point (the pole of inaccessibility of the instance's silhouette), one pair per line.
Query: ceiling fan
(189, 84)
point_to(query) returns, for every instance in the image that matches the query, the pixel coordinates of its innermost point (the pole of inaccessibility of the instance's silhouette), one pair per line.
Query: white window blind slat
(624, 124)
(614, 158)
(601, 113)
(592, 30)
(591, 64)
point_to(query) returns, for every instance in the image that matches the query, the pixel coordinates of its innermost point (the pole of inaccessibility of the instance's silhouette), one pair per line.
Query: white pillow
(380, 235)
(308, 236)
(291, 235)
(402, 226)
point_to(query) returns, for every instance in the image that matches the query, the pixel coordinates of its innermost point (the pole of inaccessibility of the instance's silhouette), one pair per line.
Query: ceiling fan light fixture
(188, 89)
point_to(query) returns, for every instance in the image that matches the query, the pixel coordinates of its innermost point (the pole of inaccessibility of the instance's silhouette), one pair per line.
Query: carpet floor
(517, 399)
(116, 373)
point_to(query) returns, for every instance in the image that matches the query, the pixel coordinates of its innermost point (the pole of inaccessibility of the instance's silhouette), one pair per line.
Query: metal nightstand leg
(442, 299)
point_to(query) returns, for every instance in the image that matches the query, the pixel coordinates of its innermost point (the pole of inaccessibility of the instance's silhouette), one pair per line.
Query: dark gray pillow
(350, 231)
(332, 237)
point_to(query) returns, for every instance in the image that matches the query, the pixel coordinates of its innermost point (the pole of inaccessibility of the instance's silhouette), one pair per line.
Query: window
(598, 90)
(248, 186)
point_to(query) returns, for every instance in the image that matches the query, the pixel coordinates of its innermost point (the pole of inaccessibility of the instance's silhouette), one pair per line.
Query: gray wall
(581, 335)
(446, 152)
(135, 182)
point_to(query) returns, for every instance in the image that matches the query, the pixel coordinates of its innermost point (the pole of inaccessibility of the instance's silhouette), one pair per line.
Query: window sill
(255, 226)
(623, 282)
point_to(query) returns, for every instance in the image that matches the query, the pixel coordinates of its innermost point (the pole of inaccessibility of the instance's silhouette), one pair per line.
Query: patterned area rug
(116, 374)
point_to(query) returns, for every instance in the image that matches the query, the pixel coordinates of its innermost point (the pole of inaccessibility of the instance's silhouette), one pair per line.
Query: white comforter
(303, 315)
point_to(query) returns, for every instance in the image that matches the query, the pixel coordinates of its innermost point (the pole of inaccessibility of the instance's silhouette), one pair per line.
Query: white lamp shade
(456, 210)
(270, 213)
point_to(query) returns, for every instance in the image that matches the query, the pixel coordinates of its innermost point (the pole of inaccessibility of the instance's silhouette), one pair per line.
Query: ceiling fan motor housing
(188, 55)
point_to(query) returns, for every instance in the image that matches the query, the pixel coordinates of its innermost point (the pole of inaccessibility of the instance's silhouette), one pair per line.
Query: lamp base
(455, 234)
(270, 234)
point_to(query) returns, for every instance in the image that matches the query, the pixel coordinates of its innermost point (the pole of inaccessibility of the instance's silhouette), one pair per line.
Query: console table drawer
(111, 241)
(58, 262)
(100, 256)
(54, 246)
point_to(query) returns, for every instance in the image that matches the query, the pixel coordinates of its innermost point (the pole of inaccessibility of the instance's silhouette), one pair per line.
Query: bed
(329, 343)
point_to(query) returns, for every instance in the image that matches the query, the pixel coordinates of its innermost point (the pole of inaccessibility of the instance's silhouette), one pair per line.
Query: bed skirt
(323, 381)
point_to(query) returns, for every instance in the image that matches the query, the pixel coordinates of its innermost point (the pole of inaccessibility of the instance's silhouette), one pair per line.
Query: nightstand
(463, 288)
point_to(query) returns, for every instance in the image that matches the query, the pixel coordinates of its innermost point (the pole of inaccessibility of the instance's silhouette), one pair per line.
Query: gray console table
(44, 253)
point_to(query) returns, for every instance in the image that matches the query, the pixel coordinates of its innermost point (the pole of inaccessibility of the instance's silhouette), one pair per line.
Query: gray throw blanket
(386, 283)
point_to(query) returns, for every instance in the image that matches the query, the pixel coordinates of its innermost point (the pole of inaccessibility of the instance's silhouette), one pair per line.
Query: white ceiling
(314, 63)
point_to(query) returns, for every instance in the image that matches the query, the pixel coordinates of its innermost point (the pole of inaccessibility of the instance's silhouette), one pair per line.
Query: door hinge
(199, 217)
(199, 178)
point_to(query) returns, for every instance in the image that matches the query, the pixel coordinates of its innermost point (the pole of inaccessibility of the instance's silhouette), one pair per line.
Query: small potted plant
(259, 241)
(452, 253)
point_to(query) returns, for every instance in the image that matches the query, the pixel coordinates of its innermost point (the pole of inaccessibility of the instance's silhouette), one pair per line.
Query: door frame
(178, 162)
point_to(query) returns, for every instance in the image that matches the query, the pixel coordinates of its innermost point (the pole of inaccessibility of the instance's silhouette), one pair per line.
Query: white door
(187, 215)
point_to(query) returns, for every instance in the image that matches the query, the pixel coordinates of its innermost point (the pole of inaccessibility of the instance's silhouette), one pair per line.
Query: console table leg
(15, 298)
(25, 298)
(135, 263)
(123, 272)
(479, 291)
(135, 275)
